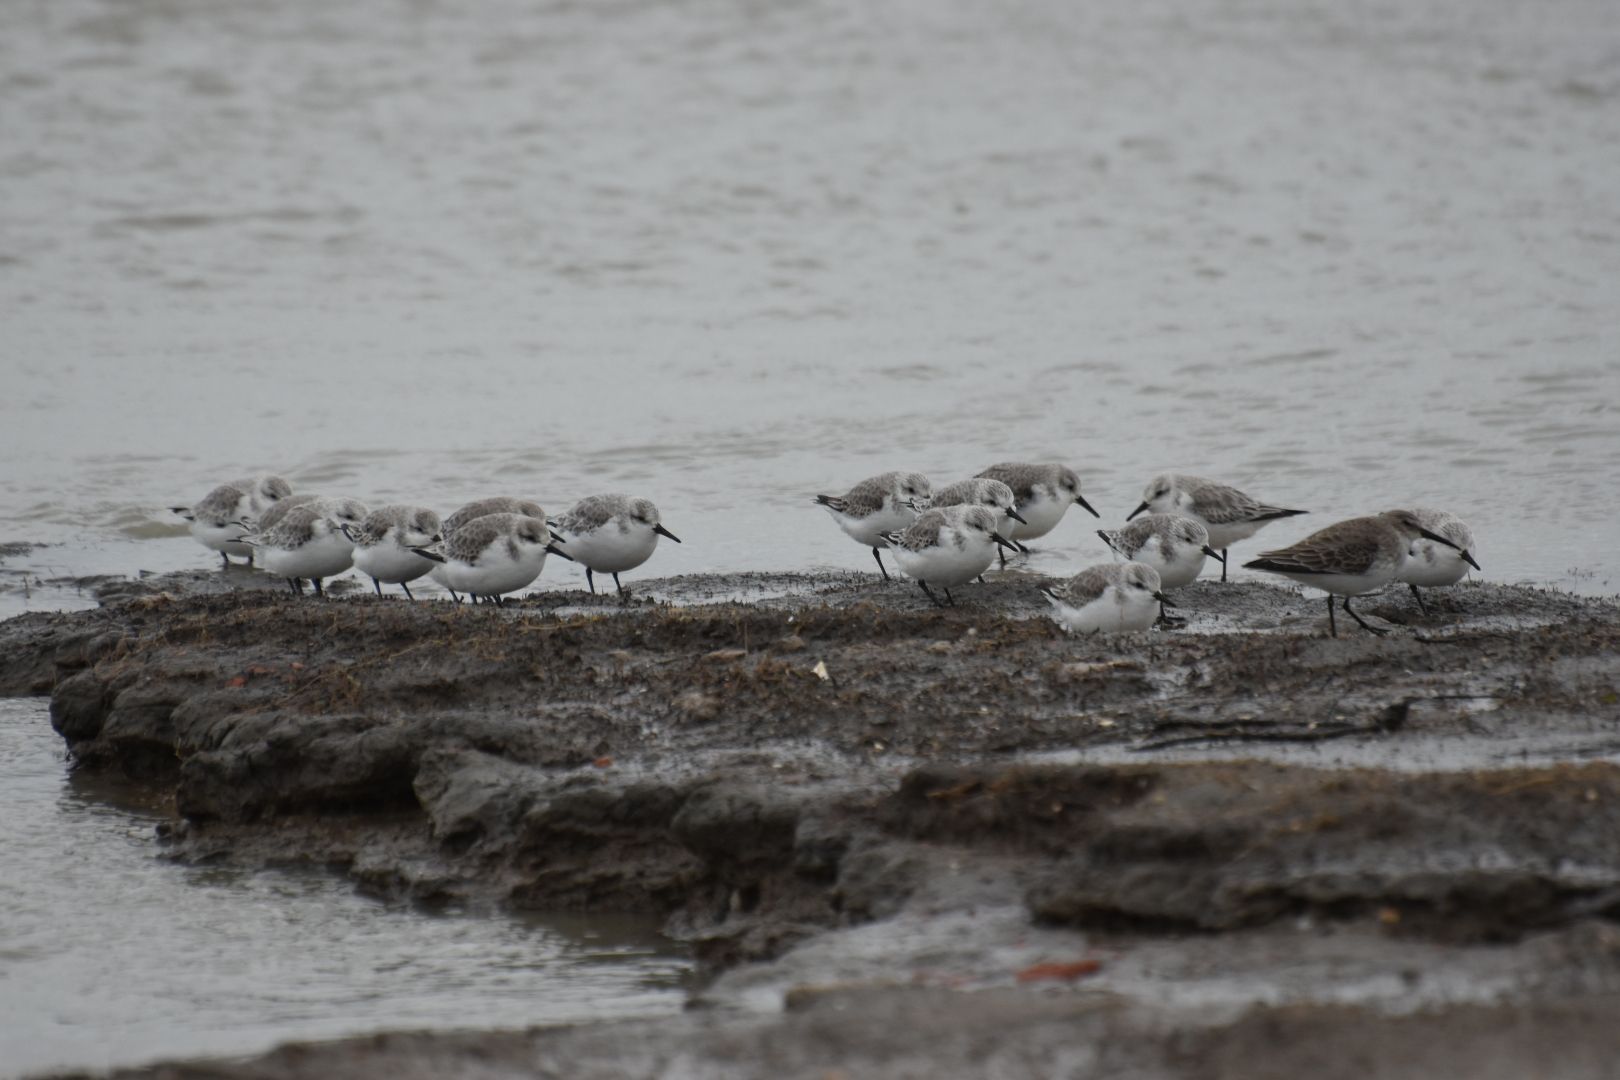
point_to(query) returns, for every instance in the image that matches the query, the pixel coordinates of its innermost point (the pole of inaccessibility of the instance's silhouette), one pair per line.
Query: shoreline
(962, 821)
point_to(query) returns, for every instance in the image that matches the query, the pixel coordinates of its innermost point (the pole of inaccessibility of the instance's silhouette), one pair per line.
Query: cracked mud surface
(946, 841)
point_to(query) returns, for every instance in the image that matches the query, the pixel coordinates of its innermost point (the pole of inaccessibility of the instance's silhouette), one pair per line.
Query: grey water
(727, 254)
(111, 955)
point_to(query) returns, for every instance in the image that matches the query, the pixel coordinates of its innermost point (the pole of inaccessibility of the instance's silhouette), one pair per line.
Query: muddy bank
(836, 784)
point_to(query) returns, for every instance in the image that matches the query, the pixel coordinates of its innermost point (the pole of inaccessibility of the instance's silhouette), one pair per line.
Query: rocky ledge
(905, 841)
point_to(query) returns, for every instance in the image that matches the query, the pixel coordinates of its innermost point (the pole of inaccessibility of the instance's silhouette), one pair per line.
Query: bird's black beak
(343, 527)
(1138, 510)
(1159, 596)
(1081, 499)
(426, 554)
(661, 531)
(559, 552)
(1211, 552)
(1004, 542)
(1437, 538)
(1016, 516)
(438, 538)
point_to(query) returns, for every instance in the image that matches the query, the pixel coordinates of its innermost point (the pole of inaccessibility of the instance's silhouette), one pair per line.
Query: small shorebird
(609, 534)
(263, 492)
(1228, 514)
(878, 505)
(1430, 564)
(1043, 494)
(498, 504)
(947, 546)
(1108, 598)
(383, 545)
(304, 543)
(340, 508)
(220, 521)
(492, 555)
(1175, 546)
(1353, 558)
(981, 491)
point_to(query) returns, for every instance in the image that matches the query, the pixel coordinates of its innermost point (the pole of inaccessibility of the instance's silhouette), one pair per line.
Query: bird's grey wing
(1021, 478)
(924, 532)
(591, 513)
(1085, 586)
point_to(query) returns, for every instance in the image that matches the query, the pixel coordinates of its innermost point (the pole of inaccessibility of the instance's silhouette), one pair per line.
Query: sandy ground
(905, 841)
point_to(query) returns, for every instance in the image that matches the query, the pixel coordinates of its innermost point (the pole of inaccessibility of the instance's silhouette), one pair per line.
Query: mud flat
(915, 842)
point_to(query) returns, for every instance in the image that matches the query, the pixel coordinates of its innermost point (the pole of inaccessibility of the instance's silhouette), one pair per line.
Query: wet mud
(911, 841)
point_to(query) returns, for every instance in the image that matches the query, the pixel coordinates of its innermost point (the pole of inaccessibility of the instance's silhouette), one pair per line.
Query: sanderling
(219, 522)
(497, 504)
(492, 555)
(947, 546)
(1430, 564)
(342, 509)
(981, 491)
(1175, 546)
(1043, 493)
(609, 534)
(876, 506)
(1352, 558)
(1111, 598)
(1226, 512)
(383, 545)
(304, 543)
(262, 492)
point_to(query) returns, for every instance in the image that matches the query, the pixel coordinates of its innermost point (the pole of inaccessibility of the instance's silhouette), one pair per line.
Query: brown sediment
(781, 777)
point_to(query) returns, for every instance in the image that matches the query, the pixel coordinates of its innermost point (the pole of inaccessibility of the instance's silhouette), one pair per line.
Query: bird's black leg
(930, 592)
(1001, 553)
(1419, 598)
(590, 582)
(377, 585)
(226, 559)
(296, 586)
(315, 581)
(407, 589)
(1168, 619)
(454, 595)
(949, 597)
(981, 579)
(876, 554)
(1359, 622)
(1333, 627)
(1223, 568)
(616, 584)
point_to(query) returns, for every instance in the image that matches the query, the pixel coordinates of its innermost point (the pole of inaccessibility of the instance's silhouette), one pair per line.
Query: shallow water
(728, 254)
(111, 955)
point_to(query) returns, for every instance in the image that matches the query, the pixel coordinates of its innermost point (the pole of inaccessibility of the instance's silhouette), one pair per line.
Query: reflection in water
(111, 955)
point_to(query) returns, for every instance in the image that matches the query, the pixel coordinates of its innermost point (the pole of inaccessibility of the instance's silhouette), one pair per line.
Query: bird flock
(941, 539)
(487, 549)
(950, 537)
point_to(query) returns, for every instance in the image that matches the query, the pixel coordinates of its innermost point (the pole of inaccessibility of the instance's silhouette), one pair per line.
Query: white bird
(219, 522)
(492, 555)
(497, 504)
(1228, 514)
(947, 546)
(262, 492)
(383, 545)
(876, 506)
(1430, 564)
(609, 534)
(981, 491)
(1110, 598)
(1043, 494)
(305, 543)
(340, 508)
(1173, 545)
(1353, 558)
